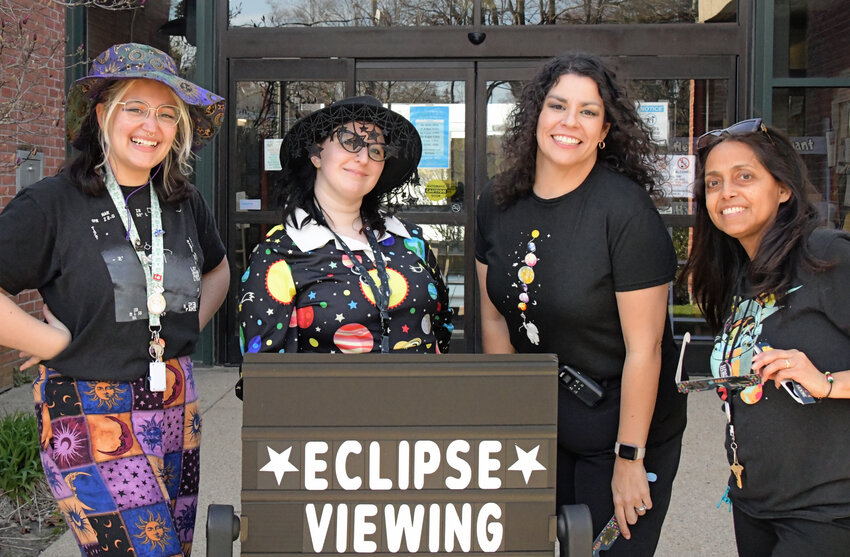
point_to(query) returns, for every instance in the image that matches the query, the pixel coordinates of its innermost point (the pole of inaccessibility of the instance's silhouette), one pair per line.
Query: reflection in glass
(264, 111)
(447, 244)
(437, 109)
(585, 12)
(349, 13)
(817, 121)
(807, 38)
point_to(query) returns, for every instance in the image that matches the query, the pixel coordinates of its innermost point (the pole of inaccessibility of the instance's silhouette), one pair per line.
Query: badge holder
(156, 369)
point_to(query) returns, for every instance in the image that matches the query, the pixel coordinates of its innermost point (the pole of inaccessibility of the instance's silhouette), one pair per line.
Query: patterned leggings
(122, 461)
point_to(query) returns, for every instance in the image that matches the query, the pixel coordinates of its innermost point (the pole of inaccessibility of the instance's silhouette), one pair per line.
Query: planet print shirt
(301, 293)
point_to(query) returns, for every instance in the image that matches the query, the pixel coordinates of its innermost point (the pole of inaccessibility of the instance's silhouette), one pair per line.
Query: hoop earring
(601, 145)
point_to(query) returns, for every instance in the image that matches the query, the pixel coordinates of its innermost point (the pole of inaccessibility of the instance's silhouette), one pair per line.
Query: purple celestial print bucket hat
(140, 61)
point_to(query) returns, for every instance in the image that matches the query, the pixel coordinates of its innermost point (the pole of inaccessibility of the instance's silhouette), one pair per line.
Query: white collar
(311, 235)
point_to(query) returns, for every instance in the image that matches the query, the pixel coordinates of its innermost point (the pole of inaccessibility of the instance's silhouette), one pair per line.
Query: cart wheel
(222, 530)
(575, 531)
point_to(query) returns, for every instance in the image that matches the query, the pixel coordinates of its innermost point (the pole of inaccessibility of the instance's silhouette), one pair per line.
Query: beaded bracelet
(829, 379)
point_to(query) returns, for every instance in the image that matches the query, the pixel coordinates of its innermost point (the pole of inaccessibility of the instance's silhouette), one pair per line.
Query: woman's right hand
(51, 320)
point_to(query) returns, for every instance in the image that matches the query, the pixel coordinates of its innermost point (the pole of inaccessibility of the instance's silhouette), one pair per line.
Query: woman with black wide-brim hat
(340, 274)
(125, 252)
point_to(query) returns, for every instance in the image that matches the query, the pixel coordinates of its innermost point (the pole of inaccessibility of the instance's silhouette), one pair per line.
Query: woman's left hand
(631, 493)
(779, 365)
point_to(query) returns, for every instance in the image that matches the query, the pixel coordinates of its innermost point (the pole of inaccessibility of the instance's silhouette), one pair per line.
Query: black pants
(586, 439)
(790, 537)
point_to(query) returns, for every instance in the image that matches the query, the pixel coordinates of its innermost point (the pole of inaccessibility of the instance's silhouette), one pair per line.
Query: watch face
(628, 452)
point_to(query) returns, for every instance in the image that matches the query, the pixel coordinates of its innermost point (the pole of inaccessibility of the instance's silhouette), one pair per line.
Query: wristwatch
(629, 452)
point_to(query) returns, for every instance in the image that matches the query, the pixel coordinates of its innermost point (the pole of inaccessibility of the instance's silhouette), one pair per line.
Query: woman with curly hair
(573, 259)
(773, 287)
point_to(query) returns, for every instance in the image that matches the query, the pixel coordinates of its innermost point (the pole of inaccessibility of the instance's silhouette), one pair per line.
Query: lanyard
(381, 292)
(153, 266)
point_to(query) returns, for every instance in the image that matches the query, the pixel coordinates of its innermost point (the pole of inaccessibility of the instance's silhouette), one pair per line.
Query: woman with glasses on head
(573, 259)
(774, 287)
(125, 252)
(341, 274)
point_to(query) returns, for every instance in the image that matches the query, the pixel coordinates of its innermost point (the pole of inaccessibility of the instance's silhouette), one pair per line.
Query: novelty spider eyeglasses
(138, 111)
(740, 128)
(353, 142)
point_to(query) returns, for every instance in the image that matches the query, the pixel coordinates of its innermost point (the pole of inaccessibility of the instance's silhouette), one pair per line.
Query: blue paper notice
(432, 123)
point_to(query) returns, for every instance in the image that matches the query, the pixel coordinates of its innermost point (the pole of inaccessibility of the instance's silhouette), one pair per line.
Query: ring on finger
(641, 508)
(787, 363)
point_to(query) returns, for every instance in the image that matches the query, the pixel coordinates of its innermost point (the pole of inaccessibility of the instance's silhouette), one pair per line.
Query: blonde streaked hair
(181, 148)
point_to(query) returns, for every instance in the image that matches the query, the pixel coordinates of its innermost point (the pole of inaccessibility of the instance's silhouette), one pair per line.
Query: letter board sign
(393, 453)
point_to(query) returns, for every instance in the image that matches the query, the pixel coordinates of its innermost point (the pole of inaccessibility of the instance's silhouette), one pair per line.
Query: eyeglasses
(138, 111)
(353, 142)
(704, 384)
(740, 128)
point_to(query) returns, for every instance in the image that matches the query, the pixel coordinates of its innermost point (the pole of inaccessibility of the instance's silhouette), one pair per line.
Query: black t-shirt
(796, 457)
(565, 259)
(73, 248)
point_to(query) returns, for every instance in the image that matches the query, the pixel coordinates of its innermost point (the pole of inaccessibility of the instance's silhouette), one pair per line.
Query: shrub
(20, 464)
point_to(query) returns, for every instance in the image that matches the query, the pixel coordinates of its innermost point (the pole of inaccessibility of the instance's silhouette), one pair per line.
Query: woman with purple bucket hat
(127, 257)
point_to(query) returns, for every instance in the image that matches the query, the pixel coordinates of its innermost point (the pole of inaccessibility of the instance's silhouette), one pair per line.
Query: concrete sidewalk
(694, 526)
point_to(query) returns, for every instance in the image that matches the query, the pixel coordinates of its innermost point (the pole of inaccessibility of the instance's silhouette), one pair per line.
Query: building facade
(456, 67)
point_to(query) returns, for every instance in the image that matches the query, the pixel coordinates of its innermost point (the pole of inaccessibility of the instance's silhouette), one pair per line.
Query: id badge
(156, 377)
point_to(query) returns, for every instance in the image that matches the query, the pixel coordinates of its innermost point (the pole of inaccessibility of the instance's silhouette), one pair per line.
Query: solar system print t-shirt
(302, 293)
(73, 248)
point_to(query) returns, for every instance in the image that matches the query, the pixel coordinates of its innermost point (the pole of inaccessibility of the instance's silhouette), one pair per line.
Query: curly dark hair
(628, 150)
(718, 262)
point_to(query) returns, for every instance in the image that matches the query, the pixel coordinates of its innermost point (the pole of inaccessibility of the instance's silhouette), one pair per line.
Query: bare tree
(28, 60)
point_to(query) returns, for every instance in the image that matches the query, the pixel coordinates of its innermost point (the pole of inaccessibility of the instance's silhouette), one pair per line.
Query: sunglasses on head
(704, 384)
(743, 127)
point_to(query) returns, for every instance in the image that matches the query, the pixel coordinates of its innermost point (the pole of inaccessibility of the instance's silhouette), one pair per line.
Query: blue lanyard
(381, 291)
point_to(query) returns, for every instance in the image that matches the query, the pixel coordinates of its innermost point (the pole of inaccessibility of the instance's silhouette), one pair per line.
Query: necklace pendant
(156, 303)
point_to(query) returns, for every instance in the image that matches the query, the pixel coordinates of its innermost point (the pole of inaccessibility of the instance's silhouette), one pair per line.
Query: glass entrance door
(460, 109)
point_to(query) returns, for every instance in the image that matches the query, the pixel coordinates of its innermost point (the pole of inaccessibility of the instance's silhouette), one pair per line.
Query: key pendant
(156, 350)
(736, 466)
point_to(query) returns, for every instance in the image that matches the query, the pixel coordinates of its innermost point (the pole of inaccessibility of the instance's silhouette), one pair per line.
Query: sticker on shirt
(524, 285)
(733, 353)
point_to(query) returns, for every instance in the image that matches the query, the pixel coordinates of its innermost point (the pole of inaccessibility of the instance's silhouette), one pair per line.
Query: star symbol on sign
(339, 317)
(352, 304)
(526, 462)
(312, 295)
(405, 328)
(332, 265)
(279, 464)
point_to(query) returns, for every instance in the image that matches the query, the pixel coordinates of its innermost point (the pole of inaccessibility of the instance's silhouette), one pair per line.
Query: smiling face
(135, 147)
(742, 198)
(570, 126)
(342, 177)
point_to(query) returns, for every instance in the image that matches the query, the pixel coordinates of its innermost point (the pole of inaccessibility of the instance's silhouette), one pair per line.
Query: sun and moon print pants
(123, 461)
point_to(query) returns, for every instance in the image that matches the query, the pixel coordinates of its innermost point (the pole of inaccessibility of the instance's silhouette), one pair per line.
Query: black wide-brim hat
(399, 169)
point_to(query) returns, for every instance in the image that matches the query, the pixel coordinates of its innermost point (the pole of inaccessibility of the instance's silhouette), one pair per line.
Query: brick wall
(46, 134)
